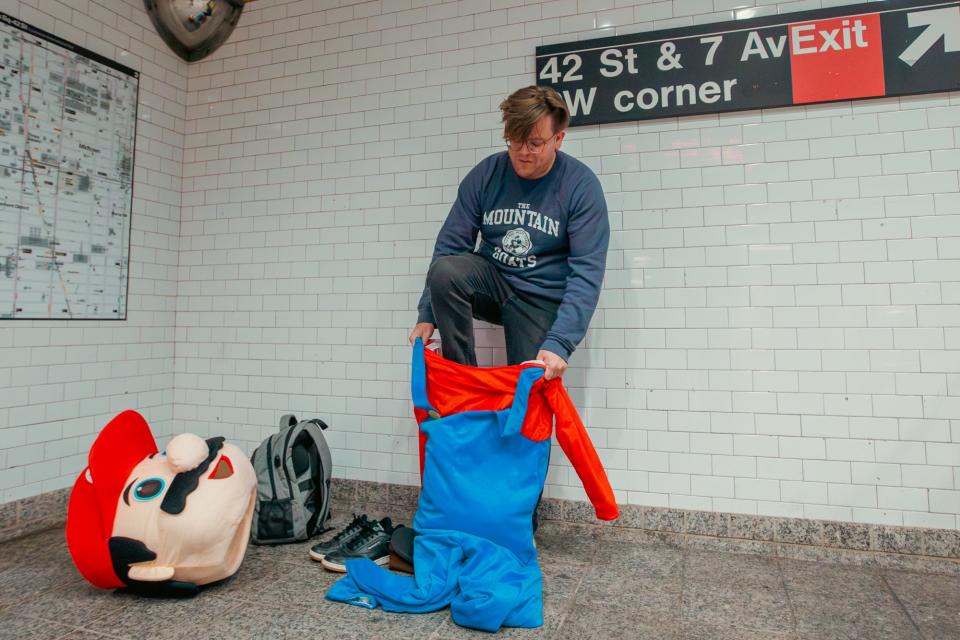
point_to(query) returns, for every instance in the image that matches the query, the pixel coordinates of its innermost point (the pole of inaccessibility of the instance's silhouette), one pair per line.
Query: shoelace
(371, 532)
(358, 522)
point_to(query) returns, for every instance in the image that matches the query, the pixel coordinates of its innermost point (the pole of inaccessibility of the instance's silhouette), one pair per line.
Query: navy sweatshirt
(548, 237)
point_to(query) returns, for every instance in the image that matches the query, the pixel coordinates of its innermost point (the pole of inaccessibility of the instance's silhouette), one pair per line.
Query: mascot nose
(186, 451)
(185, 482)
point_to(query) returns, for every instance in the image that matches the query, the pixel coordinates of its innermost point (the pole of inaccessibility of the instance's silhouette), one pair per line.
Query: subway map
(67, 129)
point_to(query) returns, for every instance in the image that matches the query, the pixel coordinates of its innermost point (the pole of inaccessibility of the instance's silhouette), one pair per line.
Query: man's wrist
(555, 346)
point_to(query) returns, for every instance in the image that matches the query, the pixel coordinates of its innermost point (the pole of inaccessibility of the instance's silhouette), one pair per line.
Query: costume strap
(518, 411)
(418, 381)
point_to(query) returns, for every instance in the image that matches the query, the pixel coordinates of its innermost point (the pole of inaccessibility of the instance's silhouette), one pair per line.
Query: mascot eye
(148, 489)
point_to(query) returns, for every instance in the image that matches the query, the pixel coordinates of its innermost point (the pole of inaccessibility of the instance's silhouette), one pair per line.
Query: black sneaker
(373, 543)
(349, 532)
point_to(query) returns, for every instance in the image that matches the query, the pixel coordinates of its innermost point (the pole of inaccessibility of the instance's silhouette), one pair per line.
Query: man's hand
(423, 330)
(555, 364)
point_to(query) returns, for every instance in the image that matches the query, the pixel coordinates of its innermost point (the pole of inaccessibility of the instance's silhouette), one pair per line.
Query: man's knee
(445, 273)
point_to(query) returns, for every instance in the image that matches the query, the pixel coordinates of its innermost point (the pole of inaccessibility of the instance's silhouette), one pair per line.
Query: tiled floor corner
(599, 582)
(36, 513)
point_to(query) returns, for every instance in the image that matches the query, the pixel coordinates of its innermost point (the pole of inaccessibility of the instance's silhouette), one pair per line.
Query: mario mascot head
(159, 522)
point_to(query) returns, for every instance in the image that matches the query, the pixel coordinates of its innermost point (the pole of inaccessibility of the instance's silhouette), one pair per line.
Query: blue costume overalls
(475, 550)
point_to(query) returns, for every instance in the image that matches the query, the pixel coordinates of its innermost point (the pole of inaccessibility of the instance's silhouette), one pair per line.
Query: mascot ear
(150, 572)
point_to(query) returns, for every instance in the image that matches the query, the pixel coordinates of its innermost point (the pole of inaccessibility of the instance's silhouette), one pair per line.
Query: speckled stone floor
(598, 583)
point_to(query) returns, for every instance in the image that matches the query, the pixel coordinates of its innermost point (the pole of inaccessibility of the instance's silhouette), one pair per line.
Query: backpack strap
(418, 381)
(287, 420)
(305, 484)
(320, 423)
(518, 410)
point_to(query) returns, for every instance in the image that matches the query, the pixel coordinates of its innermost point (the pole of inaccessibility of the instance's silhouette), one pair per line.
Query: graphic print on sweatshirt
(513, 226)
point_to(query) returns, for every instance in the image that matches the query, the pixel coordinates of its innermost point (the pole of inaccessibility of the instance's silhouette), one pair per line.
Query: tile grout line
(576, 589)
(883, 576)
(69, 634)
(786, 591)
(84, 629)
(684, 557)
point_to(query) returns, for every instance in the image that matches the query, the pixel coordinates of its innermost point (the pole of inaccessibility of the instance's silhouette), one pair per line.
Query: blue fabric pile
(484, 584)
(474, 552)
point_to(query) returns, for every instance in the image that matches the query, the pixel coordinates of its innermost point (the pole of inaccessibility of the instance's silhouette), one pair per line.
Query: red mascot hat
(121, 445)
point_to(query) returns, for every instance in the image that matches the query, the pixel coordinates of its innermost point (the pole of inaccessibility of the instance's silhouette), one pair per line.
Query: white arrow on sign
(939, 22)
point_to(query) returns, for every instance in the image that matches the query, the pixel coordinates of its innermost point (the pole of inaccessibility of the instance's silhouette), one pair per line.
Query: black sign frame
(852, 62)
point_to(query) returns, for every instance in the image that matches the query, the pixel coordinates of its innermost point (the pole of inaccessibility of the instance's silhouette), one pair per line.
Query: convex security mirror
(194, 29)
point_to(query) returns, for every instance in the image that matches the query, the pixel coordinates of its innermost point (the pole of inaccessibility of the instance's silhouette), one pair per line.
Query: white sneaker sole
(342, 568)
(316, 556)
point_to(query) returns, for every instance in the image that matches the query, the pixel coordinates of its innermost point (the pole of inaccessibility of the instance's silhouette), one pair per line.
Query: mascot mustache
(186, 482)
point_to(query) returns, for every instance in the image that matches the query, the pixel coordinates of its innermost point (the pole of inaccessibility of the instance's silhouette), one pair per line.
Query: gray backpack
(293, 483)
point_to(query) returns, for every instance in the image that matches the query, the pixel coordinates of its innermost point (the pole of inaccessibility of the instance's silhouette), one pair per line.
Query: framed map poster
(68, 119)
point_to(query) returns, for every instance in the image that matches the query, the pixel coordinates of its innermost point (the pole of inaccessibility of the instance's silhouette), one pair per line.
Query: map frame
(8, 304)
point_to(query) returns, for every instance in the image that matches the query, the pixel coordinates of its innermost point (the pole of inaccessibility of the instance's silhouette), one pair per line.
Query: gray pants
(468, 286)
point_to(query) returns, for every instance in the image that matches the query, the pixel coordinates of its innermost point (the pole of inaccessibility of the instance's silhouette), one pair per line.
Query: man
(538, 266)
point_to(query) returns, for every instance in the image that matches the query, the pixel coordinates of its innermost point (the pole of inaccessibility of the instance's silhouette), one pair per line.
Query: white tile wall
(779, 331)
(779, 320)
(61, 381)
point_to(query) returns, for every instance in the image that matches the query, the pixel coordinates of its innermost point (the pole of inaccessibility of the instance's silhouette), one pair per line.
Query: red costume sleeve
(577, 446)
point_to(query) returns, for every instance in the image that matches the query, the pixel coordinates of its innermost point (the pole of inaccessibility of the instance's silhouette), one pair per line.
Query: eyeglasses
(534, 145)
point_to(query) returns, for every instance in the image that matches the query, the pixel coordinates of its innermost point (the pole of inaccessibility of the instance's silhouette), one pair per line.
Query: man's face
(530, 165)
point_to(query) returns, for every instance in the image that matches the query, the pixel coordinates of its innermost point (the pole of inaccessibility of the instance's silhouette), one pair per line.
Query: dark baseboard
(919, 548)
(36, 513)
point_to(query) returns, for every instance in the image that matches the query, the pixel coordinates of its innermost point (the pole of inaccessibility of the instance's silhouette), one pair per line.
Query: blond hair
(524, 107)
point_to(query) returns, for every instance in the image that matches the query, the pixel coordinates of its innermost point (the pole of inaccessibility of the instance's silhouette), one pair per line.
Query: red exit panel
(836, 59)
